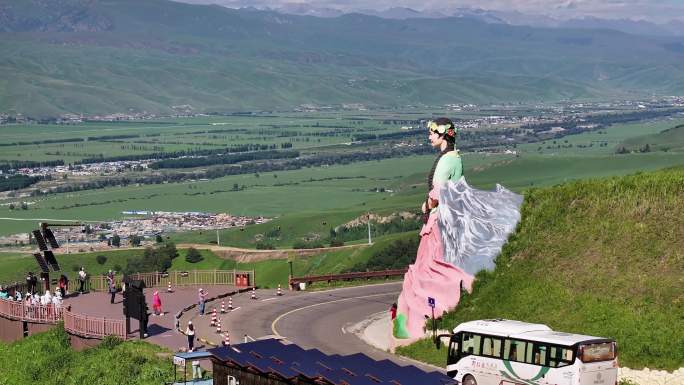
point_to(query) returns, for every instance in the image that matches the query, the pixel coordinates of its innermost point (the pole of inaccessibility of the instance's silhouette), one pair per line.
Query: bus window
(540, 354)
(491, 346)
(514, 350)
(559, 356)
(471, 343)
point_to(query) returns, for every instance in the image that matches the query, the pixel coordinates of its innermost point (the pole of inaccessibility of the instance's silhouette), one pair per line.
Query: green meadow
(268, 273)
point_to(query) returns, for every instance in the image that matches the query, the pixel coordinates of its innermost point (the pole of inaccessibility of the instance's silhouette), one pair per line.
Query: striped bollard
(223, 307)
(168, 288)
(254, 293)
(213, 317)
(218, 326)
(226, 339)
(280, 291)
(230, 303)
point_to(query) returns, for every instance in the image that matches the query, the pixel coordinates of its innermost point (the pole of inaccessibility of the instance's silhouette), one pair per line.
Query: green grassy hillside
(131, 56)
(601, 257)
(671, 139)
(47, 359)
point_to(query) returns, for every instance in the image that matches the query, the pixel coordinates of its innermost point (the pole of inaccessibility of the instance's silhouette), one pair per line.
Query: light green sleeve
(449, 168)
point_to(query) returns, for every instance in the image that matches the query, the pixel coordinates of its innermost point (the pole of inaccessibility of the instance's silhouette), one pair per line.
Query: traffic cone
(223, 307)
(280, 291)
(226, 339)
(218, 326)
(213, 317)
(230, 303)
(254, 293)
(168, 288)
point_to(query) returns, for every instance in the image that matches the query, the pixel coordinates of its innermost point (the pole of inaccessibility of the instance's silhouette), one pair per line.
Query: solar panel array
(41, 262)
(40, 240)
(50, 237)
(290, 361)
(51, 260)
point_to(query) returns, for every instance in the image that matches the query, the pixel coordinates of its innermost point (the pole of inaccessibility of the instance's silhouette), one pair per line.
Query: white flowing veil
(475, 224)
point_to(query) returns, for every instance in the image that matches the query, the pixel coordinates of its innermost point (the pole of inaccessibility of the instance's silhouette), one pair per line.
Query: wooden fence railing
(21, 311)
(99, 327)
(181, 278)
(294, 281)
(94, 327)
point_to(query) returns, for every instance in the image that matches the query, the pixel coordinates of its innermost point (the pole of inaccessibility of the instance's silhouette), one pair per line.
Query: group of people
(37, 306)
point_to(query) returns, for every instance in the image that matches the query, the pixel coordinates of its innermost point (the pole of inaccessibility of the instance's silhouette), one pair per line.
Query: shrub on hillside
(101, 259)
(308, 245)
(193, 256)
(261, 245)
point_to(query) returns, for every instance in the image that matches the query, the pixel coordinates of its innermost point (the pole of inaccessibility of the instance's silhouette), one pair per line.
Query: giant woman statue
(463, 231)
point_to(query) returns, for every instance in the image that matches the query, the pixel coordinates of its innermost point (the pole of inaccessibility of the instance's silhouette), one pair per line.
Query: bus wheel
(469, 380)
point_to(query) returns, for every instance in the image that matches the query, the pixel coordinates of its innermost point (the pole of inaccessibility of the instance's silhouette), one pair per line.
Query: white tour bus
(505, 352)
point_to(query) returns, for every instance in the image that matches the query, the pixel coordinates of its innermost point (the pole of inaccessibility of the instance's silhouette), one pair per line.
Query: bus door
(480, 358)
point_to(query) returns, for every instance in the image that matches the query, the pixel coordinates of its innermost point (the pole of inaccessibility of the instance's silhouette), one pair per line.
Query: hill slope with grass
(105, 56)
(47, 358)
(602, 257)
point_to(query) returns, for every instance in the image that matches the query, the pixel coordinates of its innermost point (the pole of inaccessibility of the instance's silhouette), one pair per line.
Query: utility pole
(370, 242)
(218, 239)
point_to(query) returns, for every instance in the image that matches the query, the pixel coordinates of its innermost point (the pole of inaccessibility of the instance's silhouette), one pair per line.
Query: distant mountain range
(106, 56)
(637, 27)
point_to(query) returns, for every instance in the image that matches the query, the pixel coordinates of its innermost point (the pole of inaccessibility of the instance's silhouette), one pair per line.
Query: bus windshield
(604, 351)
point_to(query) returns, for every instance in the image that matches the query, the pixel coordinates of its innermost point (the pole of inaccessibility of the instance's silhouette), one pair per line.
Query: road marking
(268, 299)
(236, 309)
(343, 330)
(273, 324)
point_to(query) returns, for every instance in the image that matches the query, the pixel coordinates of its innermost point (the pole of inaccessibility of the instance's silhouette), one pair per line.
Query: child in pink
(156, 303)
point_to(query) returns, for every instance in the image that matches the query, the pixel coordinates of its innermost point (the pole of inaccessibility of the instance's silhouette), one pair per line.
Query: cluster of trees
(177, 154)
(397, 255)
(223, 159)
(157, 258)
(16, 164)
(16, 182)
(396, 225)
(247, 168)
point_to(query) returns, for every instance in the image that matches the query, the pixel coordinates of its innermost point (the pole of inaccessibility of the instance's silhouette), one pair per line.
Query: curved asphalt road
(314, 319)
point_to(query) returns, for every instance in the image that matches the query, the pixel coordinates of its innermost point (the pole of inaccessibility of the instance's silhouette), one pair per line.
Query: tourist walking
(31, 282)
(156, 304)
(112, 286)
(190, 332)
(81, 280)
(63, 285)
(201, 300)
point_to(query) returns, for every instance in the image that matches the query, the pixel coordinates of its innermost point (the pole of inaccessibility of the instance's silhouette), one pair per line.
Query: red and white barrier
(253, 293)
(223, 307)
(280, 291)
(230, 303)
(218, 326)
(226, 339)
(168, 288)
(213, 317)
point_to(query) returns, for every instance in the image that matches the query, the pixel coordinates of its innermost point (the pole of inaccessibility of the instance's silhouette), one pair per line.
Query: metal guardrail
(294, 281)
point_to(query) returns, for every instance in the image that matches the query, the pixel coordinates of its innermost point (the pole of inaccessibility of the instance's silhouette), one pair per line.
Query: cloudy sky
(653, 10)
